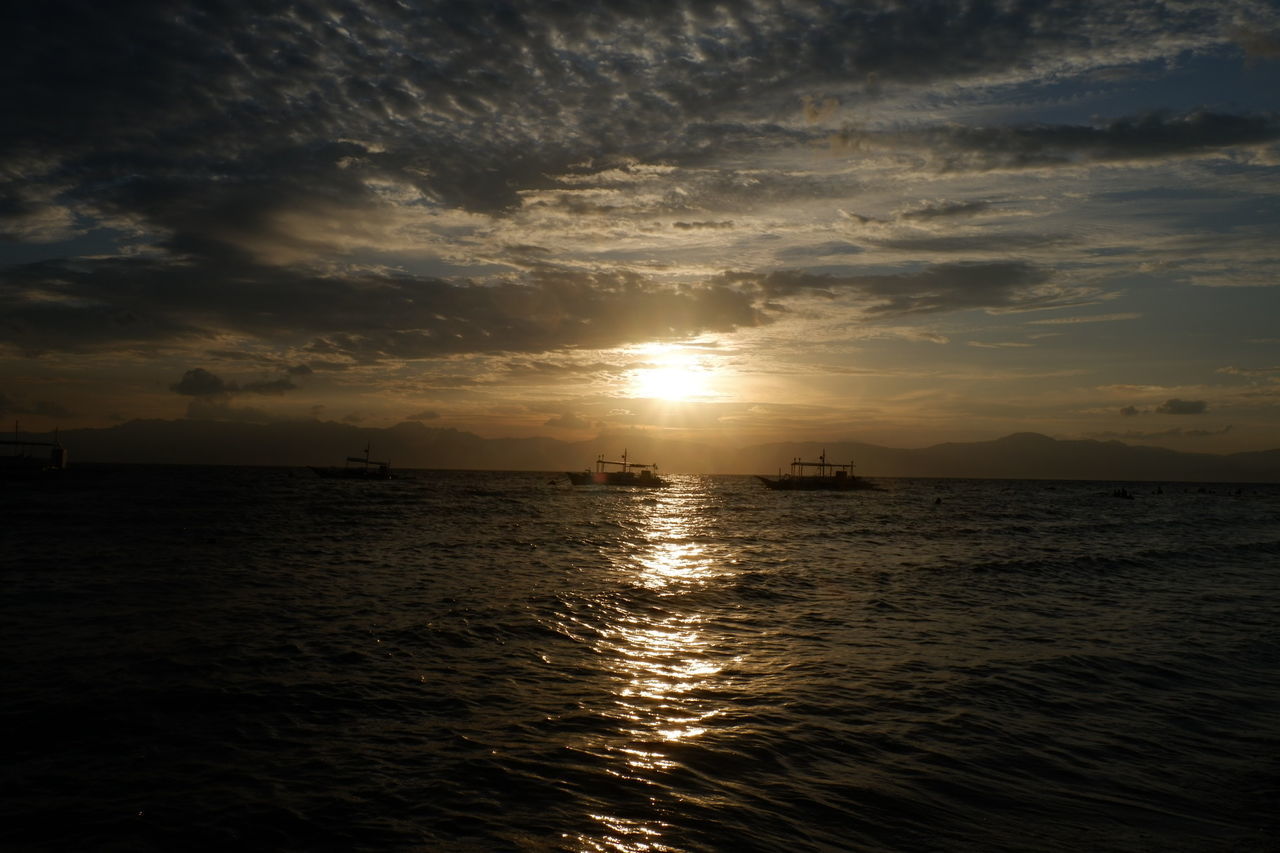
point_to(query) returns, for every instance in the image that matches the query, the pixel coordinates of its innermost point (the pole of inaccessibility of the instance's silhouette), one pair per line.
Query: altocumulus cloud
(241, 157)
(211, 122)
(217, 124)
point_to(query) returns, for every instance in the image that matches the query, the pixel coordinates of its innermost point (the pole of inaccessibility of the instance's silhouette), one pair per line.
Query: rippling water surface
(258, 659)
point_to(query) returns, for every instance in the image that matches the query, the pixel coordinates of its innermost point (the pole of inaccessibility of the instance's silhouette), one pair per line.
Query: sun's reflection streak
(622, 834)
(670, 564)
(666, 662)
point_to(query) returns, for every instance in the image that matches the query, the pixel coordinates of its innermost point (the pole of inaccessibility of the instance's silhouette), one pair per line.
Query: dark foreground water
(203, 658)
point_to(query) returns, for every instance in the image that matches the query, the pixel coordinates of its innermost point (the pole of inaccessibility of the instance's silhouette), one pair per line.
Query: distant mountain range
(413, 445)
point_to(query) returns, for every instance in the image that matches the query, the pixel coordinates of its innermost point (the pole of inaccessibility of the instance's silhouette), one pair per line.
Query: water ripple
(249, 658)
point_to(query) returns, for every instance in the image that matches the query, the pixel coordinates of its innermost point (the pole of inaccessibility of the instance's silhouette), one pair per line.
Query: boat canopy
(824, 468)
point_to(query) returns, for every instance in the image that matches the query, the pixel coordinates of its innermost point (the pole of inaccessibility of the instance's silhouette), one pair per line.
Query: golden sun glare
(672, 373)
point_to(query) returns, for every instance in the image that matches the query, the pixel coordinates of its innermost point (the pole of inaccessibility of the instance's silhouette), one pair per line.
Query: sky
(886, 221)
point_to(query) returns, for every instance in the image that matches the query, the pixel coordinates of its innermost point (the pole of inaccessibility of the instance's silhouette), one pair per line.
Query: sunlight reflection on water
(665, 662)
(499, 662)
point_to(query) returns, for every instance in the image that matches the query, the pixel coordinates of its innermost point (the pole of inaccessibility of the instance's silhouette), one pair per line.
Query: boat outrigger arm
(824, 468)
(365, 460)
(610, 472)
(820, 475)
(625, 465)
(57, 459)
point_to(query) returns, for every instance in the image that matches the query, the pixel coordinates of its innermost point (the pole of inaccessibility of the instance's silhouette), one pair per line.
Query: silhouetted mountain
(413, 445)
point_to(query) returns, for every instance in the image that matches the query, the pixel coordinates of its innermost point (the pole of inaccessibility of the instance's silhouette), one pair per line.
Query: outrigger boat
(627, 473)
(357, 467)
(828, 477)
(22, 461)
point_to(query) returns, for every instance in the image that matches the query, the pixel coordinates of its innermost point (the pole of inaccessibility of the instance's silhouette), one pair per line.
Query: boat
(357, 468)
(817, 476)
(624, 473)
(22, 461)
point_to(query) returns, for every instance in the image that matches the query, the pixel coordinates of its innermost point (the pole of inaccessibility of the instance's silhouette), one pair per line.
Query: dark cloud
(361, 316)
(574, 205)
(931, 289)
(1170, 407)
(1182, 407)
(199, 382)
(553, 310)
(1157, 135)
(1002, 241)
(194, 115)
(212, 396)
(334, 366)
(428, 415)
(833, 247)
(541, 372)
(238, 355)
(942, 210)
(274, 208)
(694, 226)
(915, 229)
(214, 122)
(244, 151)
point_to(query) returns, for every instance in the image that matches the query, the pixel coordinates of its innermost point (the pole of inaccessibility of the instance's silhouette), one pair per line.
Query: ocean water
(241, 658)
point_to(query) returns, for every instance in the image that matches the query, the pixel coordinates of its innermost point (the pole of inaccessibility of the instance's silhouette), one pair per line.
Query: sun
(671, 372)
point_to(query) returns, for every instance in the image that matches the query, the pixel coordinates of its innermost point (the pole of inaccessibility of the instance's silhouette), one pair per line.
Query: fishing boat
(357, 468)
(624, 473)
(22, 460)
(817, 476)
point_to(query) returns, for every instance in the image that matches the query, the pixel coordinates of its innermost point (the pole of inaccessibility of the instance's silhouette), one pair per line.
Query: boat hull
(817, 484)
(616, 478)
(352, 473)
(27, 466)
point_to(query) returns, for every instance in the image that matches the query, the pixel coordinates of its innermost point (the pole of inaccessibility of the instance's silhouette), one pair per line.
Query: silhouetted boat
(626, 474)
(22, 461)
(358, 468)
(829, 477)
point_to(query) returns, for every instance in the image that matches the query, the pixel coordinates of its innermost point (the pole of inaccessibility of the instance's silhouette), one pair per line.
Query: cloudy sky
(891, 221)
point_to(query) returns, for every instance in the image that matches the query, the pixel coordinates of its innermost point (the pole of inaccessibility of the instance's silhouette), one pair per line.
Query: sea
(226, 658)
